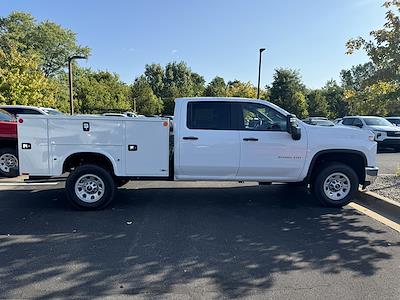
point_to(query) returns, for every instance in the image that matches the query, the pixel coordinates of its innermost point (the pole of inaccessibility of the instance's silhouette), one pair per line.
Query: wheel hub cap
(337, 186)
(8, 161)
(89, 188)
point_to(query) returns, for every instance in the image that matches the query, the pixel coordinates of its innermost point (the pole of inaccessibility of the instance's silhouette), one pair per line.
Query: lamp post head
(262, 49)
(76, 57)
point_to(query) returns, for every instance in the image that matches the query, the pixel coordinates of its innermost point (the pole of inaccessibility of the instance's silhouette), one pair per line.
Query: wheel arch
(353, 158)
(81, 158)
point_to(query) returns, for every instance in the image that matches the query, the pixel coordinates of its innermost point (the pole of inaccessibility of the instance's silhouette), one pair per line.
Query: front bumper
(389, 143)
(370, 175)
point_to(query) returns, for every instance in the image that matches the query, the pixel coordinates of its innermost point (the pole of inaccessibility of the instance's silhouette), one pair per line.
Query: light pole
(71, 97)
(259, 73)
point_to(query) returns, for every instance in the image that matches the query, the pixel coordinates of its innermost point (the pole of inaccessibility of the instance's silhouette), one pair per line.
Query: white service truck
(210, 139)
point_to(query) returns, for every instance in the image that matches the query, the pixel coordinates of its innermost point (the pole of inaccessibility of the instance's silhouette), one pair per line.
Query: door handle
(190, 138)
(251, 139)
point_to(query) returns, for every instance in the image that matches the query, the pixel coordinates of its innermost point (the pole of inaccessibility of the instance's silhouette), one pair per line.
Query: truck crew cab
(229, 139)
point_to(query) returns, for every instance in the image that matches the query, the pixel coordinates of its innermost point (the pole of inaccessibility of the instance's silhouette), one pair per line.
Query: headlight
(378, 133)
(372, 135)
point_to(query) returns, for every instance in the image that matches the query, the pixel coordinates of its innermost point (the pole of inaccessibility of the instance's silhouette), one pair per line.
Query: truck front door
(268, 152)
(208, 147)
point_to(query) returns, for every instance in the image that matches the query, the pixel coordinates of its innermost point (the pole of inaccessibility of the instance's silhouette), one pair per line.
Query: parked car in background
(114, 115)
(8, 145)
(320, 121)
(30, 110)
(126, 114)
(394, 120)
(386, 134)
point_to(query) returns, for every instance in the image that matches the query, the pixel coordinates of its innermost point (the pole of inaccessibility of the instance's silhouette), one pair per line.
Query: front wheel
(335, 185)
(90, 187)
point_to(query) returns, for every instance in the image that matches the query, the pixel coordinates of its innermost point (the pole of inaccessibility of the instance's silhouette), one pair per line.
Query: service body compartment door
(147, 148)
(33, 146)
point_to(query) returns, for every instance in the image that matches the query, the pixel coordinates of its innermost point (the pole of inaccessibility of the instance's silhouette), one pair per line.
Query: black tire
(7, 170)
(327, 170)
(109, 187)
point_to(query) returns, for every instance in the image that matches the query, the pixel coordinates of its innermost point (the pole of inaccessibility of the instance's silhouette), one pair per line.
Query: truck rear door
(208, 148)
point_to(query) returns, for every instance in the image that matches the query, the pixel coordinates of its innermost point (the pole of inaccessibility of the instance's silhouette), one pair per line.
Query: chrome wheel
(7, 162)
(89, 188)
(337, 186)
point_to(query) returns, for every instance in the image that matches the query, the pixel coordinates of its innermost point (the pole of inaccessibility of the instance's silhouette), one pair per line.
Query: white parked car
(213, 139)
(386, 134)
(127, 114)
(30, 110)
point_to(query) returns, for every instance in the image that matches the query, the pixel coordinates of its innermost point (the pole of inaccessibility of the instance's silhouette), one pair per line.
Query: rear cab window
(211, 115)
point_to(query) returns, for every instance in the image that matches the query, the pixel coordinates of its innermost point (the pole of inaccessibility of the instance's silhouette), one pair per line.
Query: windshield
(6, 117)
(377, 122)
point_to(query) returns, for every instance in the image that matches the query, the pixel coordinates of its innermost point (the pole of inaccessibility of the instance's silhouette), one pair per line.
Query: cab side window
(348, 121)
(357, 122)
(258, 117)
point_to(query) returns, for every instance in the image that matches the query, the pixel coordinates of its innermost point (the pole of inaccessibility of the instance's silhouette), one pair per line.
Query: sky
(215, 37)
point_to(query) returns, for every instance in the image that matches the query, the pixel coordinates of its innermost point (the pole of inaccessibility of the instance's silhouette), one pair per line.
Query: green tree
(317, 104)
(154, 74)
(359, 76)
(237, 88)
(288, 92)
(98, 91)
(383, 50)
(146, 102)
(52, 42)
(198, 84)
(216, 88)
(21, 80)
(373, 100)
(334, 94)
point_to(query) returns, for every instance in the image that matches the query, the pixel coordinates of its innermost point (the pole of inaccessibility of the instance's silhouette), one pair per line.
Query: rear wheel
(335, 185)
(90, 187)
(8, 162)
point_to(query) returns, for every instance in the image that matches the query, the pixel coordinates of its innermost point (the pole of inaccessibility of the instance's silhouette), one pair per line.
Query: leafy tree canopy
(50, 41)
(288, 92)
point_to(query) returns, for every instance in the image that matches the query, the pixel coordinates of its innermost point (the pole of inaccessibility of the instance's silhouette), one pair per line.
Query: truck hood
(337, 132)
(384, 128)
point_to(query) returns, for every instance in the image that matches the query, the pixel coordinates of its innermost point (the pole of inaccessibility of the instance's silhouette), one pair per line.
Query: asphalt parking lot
(200, 240)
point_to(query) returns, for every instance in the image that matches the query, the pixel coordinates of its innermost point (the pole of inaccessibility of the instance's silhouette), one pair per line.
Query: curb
(380, 205)
(374, 198)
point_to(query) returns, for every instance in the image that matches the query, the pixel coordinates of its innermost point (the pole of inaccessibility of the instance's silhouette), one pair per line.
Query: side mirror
(359, 125)
(292, 128)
